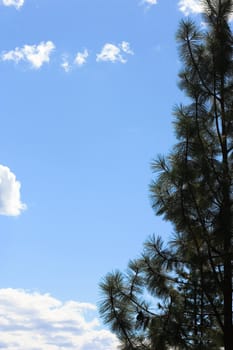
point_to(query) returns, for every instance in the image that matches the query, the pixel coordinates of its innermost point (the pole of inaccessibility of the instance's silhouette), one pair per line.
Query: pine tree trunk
(228, 328)
(227, 231)
(227, 288)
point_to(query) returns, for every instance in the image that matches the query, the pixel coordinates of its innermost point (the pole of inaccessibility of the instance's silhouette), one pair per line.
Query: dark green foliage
(180, 295)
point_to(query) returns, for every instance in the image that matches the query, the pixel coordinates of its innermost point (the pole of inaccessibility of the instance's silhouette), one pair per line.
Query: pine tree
(188, 283)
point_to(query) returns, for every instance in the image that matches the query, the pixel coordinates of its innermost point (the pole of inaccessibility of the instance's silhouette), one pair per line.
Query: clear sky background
(87, 92)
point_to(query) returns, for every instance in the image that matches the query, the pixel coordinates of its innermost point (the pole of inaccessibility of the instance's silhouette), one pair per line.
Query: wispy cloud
(39, 321)
(65, 63)
(69, 64)
(10, 202)
(150, 2)
(126, 47)
(16, 3)
(81, 58)
(36, 55)
(190, 6)
(114, 53)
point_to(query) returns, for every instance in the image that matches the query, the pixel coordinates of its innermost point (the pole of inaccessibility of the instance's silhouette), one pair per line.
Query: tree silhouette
(181, 295)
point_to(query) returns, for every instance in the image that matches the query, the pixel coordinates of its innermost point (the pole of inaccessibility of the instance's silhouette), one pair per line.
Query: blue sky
(87, 91)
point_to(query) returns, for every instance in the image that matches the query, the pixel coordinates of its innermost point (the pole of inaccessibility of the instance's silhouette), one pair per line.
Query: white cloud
(126, 48)
(81, 58)
(65, 63)
(194, 7)
(16, 3)
(66, 66)
(150, 2)
(110, 53)
(34, 321)
(113, 53)
(10, 202)
(36, 55)
(190, 6)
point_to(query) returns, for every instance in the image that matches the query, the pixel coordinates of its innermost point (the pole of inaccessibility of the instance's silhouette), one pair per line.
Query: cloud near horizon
(16, 3)
(114, 53)
(34, 321)
(36, 55)
(10, 202)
